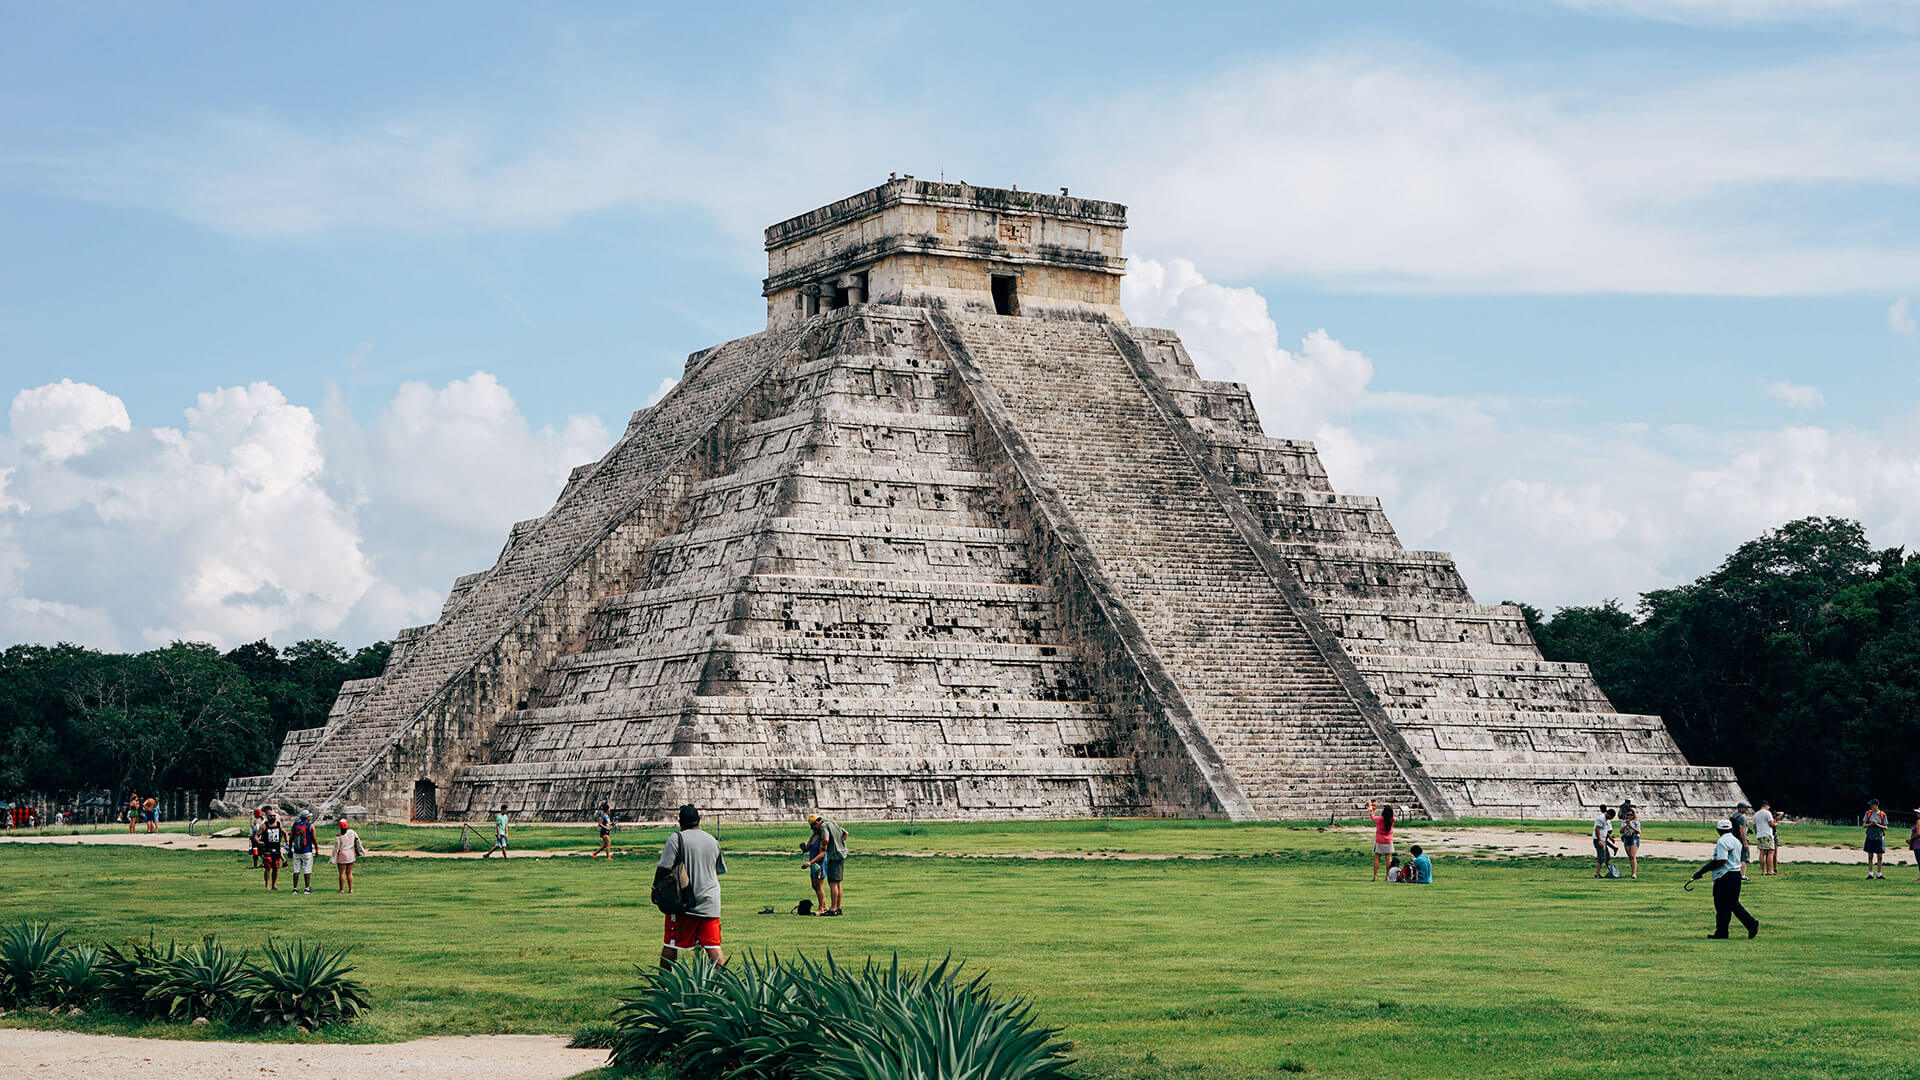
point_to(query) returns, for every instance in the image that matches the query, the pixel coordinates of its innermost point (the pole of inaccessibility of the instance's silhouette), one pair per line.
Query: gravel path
(66, 1055)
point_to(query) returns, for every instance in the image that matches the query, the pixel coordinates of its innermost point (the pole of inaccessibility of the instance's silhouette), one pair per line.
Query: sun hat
(814, 820)
(1723, 825)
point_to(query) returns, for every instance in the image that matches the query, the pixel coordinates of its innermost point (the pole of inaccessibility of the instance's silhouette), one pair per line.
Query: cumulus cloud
(1795, 395)
(1533, 504)
(1900, 318)
(254, 518)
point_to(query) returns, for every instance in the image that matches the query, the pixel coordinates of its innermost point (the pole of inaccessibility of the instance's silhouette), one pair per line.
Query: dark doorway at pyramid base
(426, 805)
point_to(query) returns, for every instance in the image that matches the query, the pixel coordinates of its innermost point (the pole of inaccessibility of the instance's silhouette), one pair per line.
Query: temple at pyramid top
(969, 249)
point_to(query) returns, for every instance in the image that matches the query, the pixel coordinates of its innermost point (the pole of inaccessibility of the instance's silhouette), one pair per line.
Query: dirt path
(66, 1055)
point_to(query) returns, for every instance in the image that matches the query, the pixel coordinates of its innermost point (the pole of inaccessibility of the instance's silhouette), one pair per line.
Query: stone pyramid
(950, 538)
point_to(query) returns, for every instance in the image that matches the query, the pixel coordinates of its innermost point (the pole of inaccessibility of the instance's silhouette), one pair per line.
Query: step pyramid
(951, 539)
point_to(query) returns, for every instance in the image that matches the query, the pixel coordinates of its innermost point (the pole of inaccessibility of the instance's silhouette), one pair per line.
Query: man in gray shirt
(699, 926)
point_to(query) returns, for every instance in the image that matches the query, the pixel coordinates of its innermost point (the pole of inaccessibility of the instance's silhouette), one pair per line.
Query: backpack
(804, 907)
(673, 889)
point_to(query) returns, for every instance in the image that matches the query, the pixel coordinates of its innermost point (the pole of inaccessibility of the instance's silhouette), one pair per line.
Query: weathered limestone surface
(951, 539)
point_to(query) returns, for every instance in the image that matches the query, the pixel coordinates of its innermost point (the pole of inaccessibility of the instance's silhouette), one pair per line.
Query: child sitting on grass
(1394, 872)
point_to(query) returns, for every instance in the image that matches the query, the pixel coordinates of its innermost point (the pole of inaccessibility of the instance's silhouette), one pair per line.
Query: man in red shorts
(699, 926)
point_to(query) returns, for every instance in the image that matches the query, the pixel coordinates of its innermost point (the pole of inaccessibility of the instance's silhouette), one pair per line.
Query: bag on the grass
(804, 907)
(673, 889)
(1612, 870)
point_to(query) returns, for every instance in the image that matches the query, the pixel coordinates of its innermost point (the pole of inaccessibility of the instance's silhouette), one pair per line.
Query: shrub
(203, 980)
(297, 984)
(27, 951)
(769, 1020)
(128, 979)
(77, 976)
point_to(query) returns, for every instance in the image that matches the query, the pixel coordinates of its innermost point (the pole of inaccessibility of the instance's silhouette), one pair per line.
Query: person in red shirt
(1382, 834)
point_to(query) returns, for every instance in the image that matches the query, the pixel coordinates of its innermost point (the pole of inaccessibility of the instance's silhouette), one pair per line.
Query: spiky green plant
(77, 976)
(128, 978)
(889, 1024)
(753, 1023)
(296, 984)
(202, 980)
(27, 951)
(651, 1016)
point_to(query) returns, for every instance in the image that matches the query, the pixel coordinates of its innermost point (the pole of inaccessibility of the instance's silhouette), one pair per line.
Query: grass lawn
(1272, 963)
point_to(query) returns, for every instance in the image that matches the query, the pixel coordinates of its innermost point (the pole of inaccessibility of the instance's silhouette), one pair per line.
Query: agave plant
(27, 951)
(76, 976)
(303, 985)
(651, 1015)
(889, 1024)
(203, 980)
(752, 1023)
(127, 979)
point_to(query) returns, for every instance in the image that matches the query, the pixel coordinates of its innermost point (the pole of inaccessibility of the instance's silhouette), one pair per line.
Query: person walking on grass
(1630, 836)
(1875, 822)
(499, 835)
(301, 844)
(605, 820)
(1725, 867)
(833, 859)
(1602, 841)
(697, 924)
(1766, 838)
(273, 841)
(347, 850)
(1382, 834)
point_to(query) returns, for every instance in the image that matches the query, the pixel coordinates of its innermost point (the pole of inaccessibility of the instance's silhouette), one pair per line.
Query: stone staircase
(1501, 731)
(1264, 693)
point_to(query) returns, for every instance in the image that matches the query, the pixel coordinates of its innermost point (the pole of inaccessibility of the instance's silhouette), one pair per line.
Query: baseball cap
(1742, 806)
(1723, 825)
(343, 823)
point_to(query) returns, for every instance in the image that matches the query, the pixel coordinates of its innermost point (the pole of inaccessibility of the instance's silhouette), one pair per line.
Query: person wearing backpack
(272, 842)
(686, 887)
(301, 845)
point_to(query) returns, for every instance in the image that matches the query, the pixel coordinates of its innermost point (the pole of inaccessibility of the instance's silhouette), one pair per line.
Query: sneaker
(1753, 931)
(1716, 937)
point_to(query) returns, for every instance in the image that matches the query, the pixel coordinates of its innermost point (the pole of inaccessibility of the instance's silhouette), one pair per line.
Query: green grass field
(1280, 960)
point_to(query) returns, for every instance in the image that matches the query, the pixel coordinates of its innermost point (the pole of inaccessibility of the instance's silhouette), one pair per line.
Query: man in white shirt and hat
(1725, 867)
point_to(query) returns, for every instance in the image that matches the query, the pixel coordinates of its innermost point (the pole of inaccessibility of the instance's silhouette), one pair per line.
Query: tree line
(1796, 662)
(186, 717)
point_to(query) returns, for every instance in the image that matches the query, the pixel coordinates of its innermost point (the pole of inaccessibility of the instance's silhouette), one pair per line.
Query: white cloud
(62, 419)
(1895, 13)
(255, 519)
(666, 387)
(1388, 171)
(1900, 318)
(1795, 395)
(1532, 506)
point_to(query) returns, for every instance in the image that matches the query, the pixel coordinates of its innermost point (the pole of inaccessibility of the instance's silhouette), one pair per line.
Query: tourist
(1602, 841)
(1743, 828)
(1382, 834)
(499, 835)
(1394, 872)
(133, 812)
(347, 850)
(1725, 867)
(1875, 822)
(1630, 836)
(1420, 867)
(1766, 838)
(1913, 841)
(272, 841)
(605, 820)
(151, 808)
(833, 859)
(814, 847)
(301, 844)
(698, 926)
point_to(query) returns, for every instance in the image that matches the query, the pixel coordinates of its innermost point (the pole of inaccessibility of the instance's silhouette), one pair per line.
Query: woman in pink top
(1382, 834)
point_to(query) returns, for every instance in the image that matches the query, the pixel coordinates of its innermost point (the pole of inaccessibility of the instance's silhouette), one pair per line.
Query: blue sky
(299, 310)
